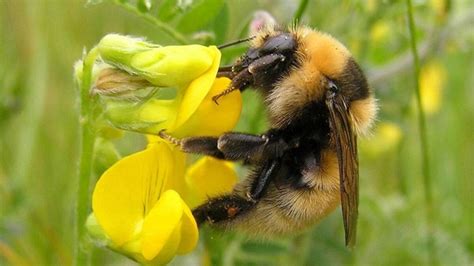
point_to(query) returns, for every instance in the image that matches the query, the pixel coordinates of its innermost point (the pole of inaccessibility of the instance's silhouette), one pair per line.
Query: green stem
(86, 156)
(156, 22)
(33, 101)
(423, 137)
(299, 12)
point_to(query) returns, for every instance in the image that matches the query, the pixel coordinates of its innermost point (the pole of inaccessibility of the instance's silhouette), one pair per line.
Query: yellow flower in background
(440, 7)
(379, 31)
(386, 137)
(141, 205)
(432, 80)
(371, 6)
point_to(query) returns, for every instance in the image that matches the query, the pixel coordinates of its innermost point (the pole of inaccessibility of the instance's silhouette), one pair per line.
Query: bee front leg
(233, 146)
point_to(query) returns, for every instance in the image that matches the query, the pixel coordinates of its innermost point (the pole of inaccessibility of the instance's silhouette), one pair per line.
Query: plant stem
(423, 138)
(299, 12)
(156, 22)
(86, 156)
(33, 101)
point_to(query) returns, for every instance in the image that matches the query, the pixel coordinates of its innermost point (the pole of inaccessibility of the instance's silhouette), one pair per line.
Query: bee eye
(281, 44)
(333, 87)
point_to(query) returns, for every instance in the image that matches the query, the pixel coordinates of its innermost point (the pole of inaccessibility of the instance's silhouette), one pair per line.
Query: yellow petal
(211, 119)
(209, 177)
(147, 117)
(198, 89)
(127, 191)
(160, 223)
(177, 182)
(169, 251)
(152, 139)
(189, 232)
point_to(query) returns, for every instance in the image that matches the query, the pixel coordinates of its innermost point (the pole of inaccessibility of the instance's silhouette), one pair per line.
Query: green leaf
(199, 15)
(144, 5)
(167, 10)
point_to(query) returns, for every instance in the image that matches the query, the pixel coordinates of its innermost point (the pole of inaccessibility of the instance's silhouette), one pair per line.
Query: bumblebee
(318, 102)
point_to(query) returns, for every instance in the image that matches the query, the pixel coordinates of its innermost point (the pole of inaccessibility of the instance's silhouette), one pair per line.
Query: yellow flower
(440, 7)
(189, 71)
(141, 205)
(141, 216)
(387, 137)
(138, 204)
(432, 79)
(379, 32)
(371, 6)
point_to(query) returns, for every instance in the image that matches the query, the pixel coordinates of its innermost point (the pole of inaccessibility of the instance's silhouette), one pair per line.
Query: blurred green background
(41, 40)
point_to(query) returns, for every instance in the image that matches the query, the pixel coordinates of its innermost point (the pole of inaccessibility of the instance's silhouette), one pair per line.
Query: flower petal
(160, 225)
(177, 182)
(147, 117)
(211, 119)
(126, 191)
(209, 177)
(189, 232)
(198, 89)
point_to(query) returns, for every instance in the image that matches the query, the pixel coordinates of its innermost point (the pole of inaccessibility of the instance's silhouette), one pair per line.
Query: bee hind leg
(222, 209)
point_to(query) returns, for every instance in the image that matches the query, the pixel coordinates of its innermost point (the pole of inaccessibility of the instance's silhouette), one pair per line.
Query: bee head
(270, 57)
(318, 66)
(302, 66)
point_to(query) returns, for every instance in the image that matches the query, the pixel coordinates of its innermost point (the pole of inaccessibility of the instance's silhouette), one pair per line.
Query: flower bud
(151, 87)
(169, 66)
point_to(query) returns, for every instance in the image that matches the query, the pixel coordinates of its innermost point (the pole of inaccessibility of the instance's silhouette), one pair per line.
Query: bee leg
(252, 148)
(233, 146)
(241, 146)
(197, 145)
(202, 145)
(220, 209)
(229, 146)
(264, 178)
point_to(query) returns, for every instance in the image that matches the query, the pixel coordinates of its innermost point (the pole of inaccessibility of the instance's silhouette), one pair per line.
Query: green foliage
(39, 150)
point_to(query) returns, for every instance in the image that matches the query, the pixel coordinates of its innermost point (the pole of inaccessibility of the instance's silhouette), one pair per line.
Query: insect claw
(215, 98)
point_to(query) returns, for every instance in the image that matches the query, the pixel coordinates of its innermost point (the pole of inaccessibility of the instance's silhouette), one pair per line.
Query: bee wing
(346, 146)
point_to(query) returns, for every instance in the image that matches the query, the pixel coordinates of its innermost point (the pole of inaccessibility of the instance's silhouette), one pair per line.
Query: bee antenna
(225, 45)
